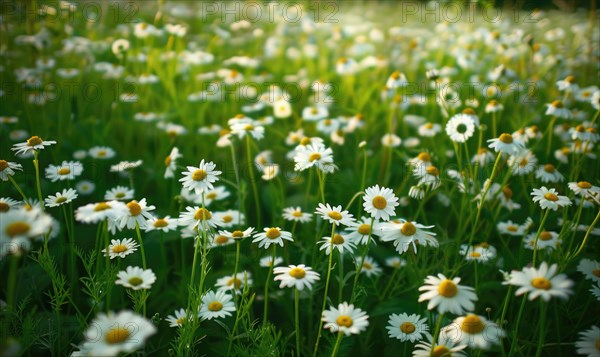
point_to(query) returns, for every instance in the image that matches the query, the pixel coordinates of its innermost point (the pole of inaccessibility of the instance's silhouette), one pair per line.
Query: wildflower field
(299, 178)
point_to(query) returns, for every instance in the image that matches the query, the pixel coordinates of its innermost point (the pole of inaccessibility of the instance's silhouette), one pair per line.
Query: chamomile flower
(474, 330)
(522, 163)
(443, 347)
(253, 129)
(61, 198)
(395, 262)
(171, 162)
(542, 282)
(272, 235)
(8, 168)
(136, 278)
(216, 194)
(102, 152)
(229, 218)
(391, 140)
(346, 319)
(124, 167)
(238, 234)
(296, 276)
(267, 262)
(483, 157)
(368, 266)
(480, 252)
(407, 233)
(380, 202)
(68, 170)
(512, 229)
(7, 203)
(460, 128)
(334, 215)
(195, 216)
(549, 198)
(295, 214)
(137, 213)
(236, 283)
(178, 318)
(506, 144)
(316, 155)
(119, 193)
(548, 173)
(216, 305)
(584, 188)
(120, 248)
(200, 178)
(34, 143)
(557, 109)
(547, 240)
(338, 242)
(447, 295)
(360, 231)
(590, 269)
(406, 327)
(567, 84)
(595, 290)
(588, 342)
(164, 224)
(85, 187)
(113, 334)
(19, 226)
(96, 212)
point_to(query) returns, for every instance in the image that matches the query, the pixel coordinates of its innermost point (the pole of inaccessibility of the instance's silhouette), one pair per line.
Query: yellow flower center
(482, 151)
(364, 229)
(221, 240)
(102, 206)
(134, 208)
(344, 320)
(168, 160)
(211, 196)
(160, 223)
(472, 324)
(432, 170)
(408, 229)
(429, 126)
(199, 175)
(335, 215)
(237, 234)
(305, 140)
(441, 351)
(469, 111)
(557, 104)
(512, 228)
(507, 193)
(523, 162)
(314, 156)
(379, 202)
(584, 184)
(101, 153)
(395, 75)
(424, 157)
(407, 328)
(235, 282)
(570, 79)
(549, 168)
(545, 235)
(297, 273)
(4, 207)
(249, 127)
(16, 229)
(120, 195)
(34, 140)
(580, 128)
(227, 219)
(447, 288)
(551, 197)
(215, 306)
(337, 239)
(598, 344)
(117, 335)
(506, 138)
(297, 214)
(273, 233)
(3, 165)
(64, 171)
(541, 283)
(596, 272)
(180, 321)
(135, 281)
(119, 248)
(60, 199)
(202, 214)
(475, 254)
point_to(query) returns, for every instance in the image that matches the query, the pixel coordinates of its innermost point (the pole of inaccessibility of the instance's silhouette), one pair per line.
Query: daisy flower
(380, 202)
(85, 187)
(113, 334)
(229, 218)
(34, 143)
(195, 215)
(590, 269)
(267, 262)
(522, 163)
(61, 198)
(7, 203)
(406, 327)
(334, 215)
(164, 224)
(368, 266)
(480, 252)
(557, 109)
(7, 169)
(474, 330)
(120, 248)
(506, 144)
(429, 130)
(272, 235)
(216, 194)
(360, 232)
(124, 166)
(391, 140)
(460, 128)
(102, 152)
(541, 282)
(588, 342)
(549, 198)
(237, 234)
(297, 276)
(200, 178)
(96, 212)
(136, 278)
(483, 157)
(338, 242)
(216, 305)
(178, 318)
(567, 84)
(546, 240)
(447, 295)
(584, 188)
(68, 170)
(21, 225)
(595, 290)
(253, 129)
(171, 162)
(395, 262)
(236, 283)
(295, 214)
(137, 213)
(314, 155)
(442, 348)
(219, 240)
(119, 193)
(548, 173)
(512, 229)
(346, 319)
(406, 233)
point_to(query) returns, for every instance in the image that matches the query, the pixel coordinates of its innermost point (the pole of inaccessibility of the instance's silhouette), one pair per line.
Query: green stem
(12, 280)
(587, 235)
(267, 285)
(36, 164)
(364, 255)
(253, 180)
(18, 189)
(337, 344)
(540, 343)
(297, 319)
(326, 290)
(550, 133)
(436, 332)
(483, 195)
(139, 237)
(341, 276)
(516, 331)
(537, 235)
